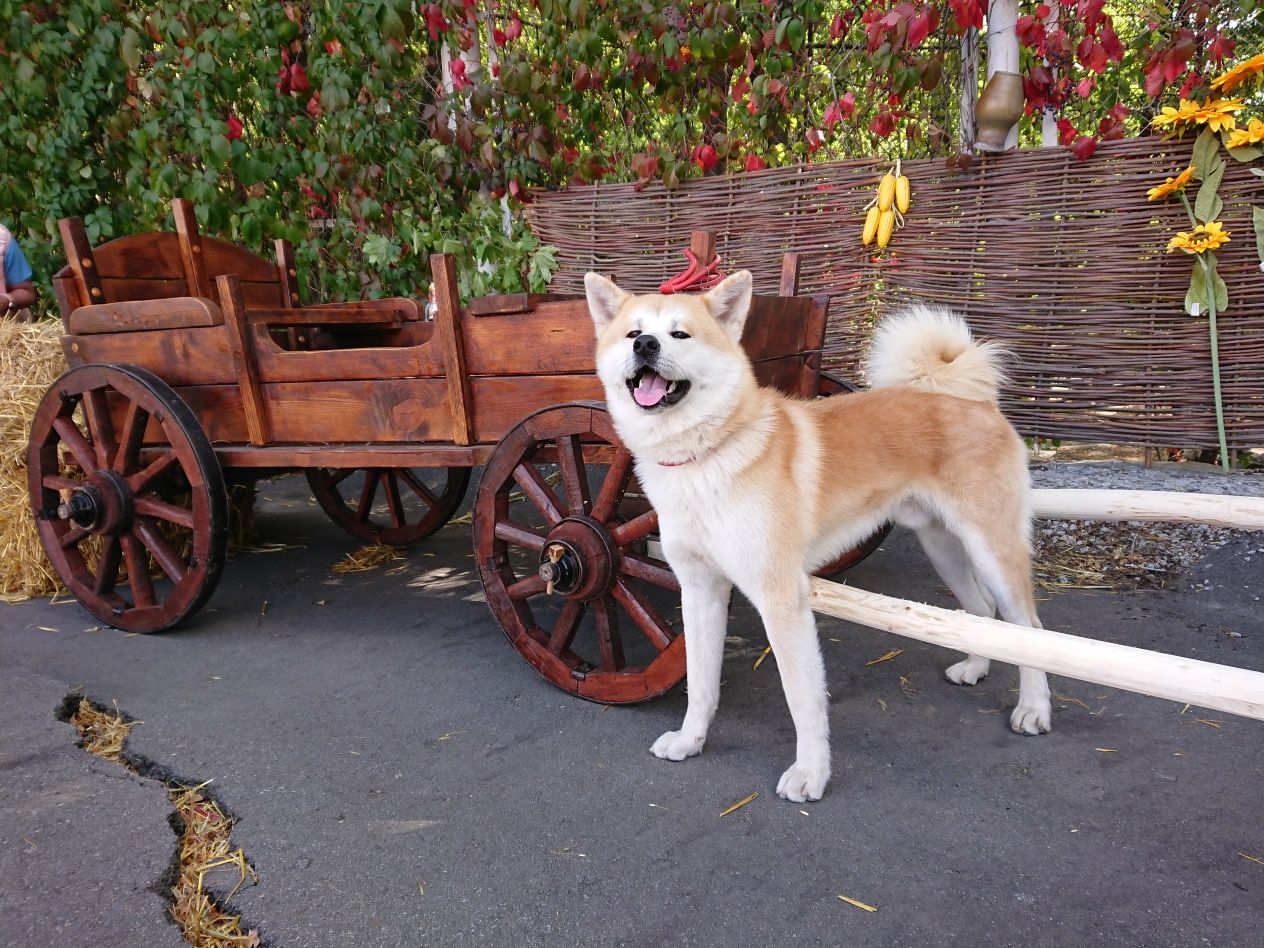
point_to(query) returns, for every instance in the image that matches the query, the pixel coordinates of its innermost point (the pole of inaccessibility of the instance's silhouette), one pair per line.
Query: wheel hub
(102, 504)
(578, 559)
(83, 506)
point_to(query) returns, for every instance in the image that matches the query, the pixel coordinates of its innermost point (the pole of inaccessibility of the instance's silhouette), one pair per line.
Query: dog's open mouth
(651, 390)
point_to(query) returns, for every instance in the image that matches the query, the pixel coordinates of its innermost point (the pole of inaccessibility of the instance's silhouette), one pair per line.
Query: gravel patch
(1118, 475)
(1087, 554)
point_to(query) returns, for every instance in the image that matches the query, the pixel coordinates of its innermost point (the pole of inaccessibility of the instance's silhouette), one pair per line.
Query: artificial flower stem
(1215, 343)
(1215, 362)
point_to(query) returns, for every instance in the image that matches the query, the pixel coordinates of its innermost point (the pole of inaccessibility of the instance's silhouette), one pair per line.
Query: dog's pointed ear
(729, 302)
(605, 299)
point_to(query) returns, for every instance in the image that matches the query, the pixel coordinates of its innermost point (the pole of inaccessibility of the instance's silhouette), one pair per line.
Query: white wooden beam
(1220, 510)
(1187, 680)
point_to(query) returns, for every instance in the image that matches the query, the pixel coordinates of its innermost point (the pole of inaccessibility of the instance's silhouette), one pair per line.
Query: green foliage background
(352, 146)
(108, 110)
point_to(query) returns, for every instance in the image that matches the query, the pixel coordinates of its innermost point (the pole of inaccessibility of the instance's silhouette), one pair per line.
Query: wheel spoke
(393, 501)
(100, 426)
(526, 588)
(613, 487)
(336, 477)
(537, 491)
(511, 532)
(367, 493)
(57, 482)
(72, 537)
(153, 507)
(128, 454)
(634, 529)
(574, 478)
(159, 466)
(418, 488)
(566, 626)
(73, 439)
(643, 613)
(167, 558)
(107, 567)
(652, 571)
(608, 634)
(138, 572)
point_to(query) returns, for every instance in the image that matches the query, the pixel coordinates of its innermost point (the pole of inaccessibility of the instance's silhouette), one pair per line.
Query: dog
(755, 489)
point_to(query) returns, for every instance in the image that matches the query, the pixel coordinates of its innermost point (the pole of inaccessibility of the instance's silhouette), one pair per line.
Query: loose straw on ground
(366, 558)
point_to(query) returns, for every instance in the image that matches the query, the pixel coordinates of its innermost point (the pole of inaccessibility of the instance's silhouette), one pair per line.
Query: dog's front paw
(1032, 717)
(677, 745)
(803, 782)
(968, 671)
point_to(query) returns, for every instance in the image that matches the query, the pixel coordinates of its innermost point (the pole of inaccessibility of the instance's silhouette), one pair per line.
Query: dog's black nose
(645, 345)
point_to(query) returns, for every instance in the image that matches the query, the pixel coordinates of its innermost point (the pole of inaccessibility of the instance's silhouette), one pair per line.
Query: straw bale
(30, 359)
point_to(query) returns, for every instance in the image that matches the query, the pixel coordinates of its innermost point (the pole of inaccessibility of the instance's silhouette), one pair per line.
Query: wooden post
(1219, 687)
(191, 248)
(66, 289)
(241, 344)
(79, 255)
(789, 275)
(287, 271)
(1049, 119)
(702, 243)
(448, 328)
(969, 89)
(1220, 510)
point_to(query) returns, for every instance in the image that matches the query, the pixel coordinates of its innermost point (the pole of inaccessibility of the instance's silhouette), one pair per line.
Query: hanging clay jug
(1000, 106)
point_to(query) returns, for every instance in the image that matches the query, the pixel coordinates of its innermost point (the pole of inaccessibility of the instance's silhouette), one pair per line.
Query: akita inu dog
(756, 489)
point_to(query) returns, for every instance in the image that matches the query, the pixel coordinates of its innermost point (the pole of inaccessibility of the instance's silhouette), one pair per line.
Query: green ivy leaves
(110, 109)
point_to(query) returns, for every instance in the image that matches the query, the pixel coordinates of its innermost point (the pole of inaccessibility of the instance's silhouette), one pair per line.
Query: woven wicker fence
(1065, 261)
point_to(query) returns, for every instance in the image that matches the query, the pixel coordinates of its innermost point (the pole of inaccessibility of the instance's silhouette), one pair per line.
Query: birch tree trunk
(969, 89)
(1049, 121)
(1002, 46)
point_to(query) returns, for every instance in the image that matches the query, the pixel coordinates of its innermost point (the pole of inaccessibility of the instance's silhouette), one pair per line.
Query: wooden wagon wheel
(392, 505)
(560, 539)
(137, 534)
(830, 385)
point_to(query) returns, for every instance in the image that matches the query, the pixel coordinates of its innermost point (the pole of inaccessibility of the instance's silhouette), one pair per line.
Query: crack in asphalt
(82, 713)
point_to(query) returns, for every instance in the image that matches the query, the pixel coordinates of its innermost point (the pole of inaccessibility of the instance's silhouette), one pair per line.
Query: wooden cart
(192, 360)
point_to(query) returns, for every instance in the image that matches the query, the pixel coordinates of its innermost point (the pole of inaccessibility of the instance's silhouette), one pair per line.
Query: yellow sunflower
(1217, 114)
(1253, 134)
(1202, 238)
(1171, 185)
(1239, 74)
(1173, 117)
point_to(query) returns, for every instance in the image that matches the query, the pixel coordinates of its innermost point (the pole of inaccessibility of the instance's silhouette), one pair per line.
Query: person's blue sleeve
(16, 269)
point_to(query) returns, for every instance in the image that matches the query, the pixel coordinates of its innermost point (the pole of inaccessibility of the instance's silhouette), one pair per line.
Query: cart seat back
(160, 266)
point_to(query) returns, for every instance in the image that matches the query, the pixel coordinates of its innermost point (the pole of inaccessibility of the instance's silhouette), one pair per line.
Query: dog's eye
(680, 335)
(634, 333)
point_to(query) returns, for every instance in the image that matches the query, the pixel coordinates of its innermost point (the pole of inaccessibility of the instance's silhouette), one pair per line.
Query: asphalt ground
(400, 776)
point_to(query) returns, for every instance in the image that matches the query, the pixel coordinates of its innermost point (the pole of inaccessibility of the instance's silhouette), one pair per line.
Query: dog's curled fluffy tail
(932, 349)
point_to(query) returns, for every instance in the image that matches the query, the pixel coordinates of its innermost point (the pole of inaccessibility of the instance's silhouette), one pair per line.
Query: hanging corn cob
(885, 213)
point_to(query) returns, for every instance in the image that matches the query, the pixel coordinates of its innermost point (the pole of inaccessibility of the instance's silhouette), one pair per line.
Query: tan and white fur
(755, 489)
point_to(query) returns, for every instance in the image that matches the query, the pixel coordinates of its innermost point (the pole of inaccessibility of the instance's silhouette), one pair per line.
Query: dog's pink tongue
(651, 390)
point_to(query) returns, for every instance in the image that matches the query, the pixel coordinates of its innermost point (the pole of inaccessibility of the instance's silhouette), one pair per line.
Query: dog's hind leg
(783, 605)
(947, 554)
(704, 597)
(1002, 562)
